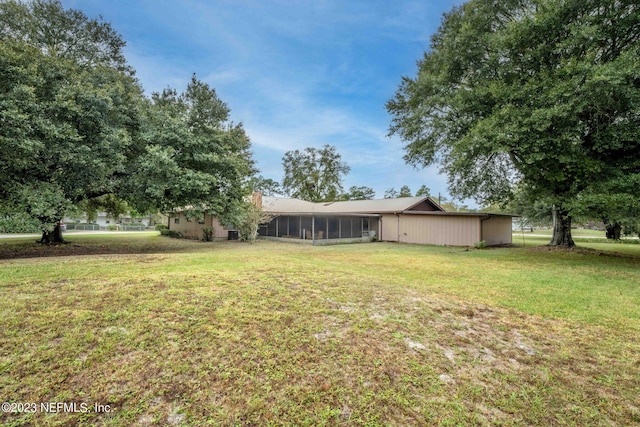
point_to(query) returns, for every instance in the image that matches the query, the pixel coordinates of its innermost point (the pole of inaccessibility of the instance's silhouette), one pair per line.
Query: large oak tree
(314, 174)
(75, 127)
(68, 110)
(195, 159)
(542, 96)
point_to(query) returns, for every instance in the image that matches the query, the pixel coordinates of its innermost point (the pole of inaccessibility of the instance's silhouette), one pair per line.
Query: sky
(296, 73)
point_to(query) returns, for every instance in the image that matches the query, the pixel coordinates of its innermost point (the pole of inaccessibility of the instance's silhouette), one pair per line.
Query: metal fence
(82, 226)
(113, 227)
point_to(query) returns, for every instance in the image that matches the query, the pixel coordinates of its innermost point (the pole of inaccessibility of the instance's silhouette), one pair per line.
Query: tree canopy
(69, 109)
(75, 125)
(266, 186)
(536, 95)
(194, 158)
(405, 191)
(391, 193)
(358, 193)
(423, 191)
(314, 174)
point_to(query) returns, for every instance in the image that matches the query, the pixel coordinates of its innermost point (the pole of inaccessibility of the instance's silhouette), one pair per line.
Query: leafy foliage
(423, 191)
(314, 174)
(538, 95)
(391, 193)
(18, 223)
(266, 186)
(78, 132)
(171, 233)
(69, 109)
(358, 193)
(249, 220)
(208, 233)
(480, 245)
(65, 34)
(615, 202)
(194, 157)
(405, 191)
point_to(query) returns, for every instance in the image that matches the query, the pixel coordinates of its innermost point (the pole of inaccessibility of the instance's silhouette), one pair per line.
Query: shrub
(249, 222)
(171, 233)
(19, 224)
(630, 229)
(208, 233)
(161, 227)
(480, 245)
(112, 227)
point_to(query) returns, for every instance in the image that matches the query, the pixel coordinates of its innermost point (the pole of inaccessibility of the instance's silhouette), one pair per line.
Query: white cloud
(297, 74)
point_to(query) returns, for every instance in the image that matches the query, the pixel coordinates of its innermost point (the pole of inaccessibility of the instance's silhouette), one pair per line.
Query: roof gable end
(427, 204)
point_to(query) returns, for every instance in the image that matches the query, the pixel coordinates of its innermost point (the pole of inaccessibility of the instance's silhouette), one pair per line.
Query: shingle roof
(284, 205)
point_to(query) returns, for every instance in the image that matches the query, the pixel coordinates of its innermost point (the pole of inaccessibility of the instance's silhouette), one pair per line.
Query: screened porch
(321, 227)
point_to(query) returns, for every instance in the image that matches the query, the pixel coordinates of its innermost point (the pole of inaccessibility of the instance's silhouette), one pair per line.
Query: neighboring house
(408, 220)
(193, 228)
(103, 220)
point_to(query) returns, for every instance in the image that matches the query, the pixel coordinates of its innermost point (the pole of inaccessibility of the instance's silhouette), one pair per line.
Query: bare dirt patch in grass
(582, 251)
(507, 368)
(120, 244)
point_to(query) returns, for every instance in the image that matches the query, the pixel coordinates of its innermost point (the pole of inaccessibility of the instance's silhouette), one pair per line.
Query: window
(176, 220)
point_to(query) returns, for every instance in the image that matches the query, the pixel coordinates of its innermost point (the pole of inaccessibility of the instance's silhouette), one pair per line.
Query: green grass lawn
(176, 332)
(576, 232)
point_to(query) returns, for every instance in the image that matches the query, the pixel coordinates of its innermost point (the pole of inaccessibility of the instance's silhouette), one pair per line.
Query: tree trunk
(52, 237)
(561, 228)
(614, 229)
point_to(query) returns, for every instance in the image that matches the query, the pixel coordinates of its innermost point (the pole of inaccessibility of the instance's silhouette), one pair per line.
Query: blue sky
(295, 73)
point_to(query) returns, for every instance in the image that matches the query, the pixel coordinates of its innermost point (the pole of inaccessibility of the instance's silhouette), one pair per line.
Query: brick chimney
(256, 199)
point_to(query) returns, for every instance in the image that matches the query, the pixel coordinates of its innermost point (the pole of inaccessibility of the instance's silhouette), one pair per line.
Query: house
(190, 227)
(102, 221)
(407, 220)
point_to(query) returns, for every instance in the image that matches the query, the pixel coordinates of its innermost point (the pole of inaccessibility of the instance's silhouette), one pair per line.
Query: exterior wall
(440, 230)
(497, 231)
(193, 228)
(388, 228)
(445, 230)
(431, 229)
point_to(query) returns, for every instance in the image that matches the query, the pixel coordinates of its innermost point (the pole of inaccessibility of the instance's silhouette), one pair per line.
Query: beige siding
(496, 230)
(221, 233)
(431, 229)
(193, 229)
(439, 230)
(389, 228)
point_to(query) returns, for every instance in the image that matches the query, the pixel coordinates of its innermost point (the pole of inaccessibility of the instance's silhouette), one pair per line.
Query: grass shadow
(103, 244)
